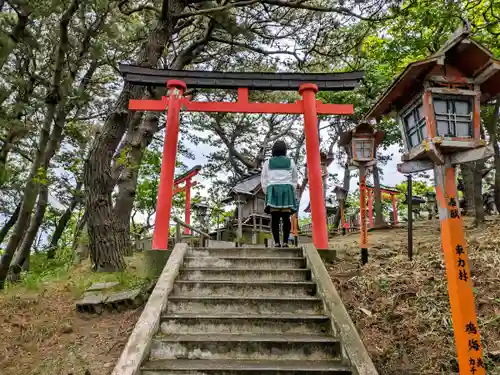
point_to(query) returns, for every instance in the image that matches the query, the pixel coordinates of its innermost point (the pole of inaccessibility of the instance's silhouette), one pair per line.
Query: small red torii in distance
(308, 106)
(186, 178)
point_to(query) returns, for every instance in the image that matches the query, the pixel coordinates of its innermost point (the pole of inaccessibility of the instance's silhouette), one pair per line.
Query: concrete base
(328, 255)
(155, 261)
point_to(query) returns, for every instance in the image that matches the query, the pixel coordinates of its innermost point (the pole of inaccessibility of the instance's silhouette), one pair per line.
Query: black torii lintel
(233, 80)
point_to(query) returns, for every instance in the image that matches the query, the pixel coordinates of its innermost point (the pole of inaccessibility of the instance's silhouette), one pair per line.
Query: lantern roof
(361, 129)
(339, 189)
(460, 52)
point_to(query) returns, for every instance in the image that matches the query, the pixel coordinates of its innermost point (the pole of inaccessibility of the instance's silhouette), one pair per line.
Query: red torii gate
(186, 178)
(308, 106)
(370, 190)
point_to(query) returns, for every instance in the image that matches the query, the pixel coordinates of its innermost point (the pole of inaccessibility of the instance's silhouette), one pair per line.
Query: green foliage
(43, 273)
(419, 188)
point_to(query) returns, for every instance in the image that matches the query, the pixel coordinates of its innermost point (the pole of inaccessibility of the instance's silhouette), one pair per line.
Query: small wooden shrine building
(331, 207)
(249, 224)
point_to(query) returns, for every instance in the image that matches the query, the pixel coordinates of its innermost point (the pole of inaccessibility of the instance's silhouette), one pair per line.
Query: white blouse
(278, 176)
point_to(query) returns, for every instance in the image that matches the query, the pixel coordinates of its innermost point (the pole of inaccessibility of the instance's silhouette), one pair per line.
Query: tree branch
(204, 12)
(122, 5)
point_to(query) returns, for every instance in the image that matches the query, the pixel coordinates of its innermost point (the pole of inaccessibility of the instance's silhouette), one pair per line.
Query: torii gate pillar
(164, 205)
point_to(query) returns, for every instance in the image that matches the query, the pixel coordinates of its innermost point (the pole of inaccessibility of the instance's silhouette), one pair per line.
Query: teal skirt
(281, 197)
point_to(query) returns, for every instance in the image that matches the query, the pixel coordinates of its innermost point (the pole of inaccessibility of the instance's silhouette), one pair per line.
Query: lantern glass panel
(363, 149)
(453, 116)
(415, 126)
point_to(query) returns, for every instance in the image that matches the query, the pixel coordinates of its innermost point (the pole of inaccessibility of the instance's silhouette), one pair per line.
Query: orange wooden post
(318, 209)
(370, 206)
(363, 243)
(395, 209)
(342, 218)
(467, 339)
(165, 188)
(295, 229)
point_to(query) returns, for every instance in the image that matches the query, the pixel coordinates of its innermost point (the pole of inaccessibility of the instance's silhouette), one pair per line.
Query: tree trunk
(379, 217)
(64, 220)
(23, 253)
(478, 193)
(32, 186)
(467, 170)
(497, 174)
(82, 222)
(105, 251)
(9, 223)
(346, 185)
(493, 130)
(124, 205)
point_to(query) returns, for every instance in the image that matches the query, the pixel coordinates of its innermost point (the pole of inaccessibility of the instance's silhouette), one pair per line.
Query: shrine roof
(250, 185)
(342, 81)
(415, 199)
(329, 203)
(461, 52)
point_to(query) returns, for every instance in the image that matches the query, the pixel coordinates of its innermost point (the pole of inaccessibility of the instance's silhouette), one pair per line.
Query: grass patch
(77, 278)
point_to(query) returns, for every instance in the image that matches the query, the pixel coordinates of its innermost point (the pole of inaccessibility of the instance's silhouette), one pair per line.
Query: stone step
(244, 262)
(245, 346)
(243, 274)
(244, 367)
(245, 323)
(247, 305)
(244, 288)
(245, 252)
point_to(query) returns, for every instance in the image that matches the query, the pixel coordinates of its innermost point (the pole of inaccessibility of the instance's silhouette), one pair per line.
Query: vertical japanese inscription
(475, 361)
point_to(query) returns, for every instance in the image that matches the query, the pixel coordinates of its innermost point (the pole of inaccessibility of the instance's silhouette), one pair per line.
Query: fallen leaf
(367, 312)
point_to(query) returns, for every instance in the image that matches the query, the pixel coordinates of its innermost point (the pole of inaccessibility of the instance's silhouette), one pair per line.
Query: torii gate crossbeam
(308, 106)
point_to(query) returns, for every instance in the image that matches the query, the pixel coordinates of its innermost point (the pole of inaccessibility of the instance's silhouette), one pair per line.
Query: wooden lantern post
(360, 144)
(439, 117)
(341, 194)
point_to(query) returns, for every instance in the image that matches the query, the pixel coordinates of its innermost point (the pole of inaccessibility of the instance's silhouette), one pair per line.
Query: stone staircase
(243, 311)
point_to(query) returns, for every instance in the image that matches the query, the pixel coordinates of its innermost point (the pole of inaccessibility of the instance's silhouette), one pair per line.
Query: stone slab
(220, 244)
(92, 299)
(102, 286)
(123, 296)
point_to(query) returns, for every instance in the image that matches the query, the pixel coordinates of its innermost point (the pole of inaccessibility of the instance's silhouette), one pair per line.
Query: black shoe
(285, 245)
(277, 245)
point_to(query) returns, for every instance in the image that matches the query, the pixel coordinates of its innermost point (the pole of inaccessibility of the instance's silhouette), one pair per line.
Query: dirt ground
(42, 334)
(401, 308)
